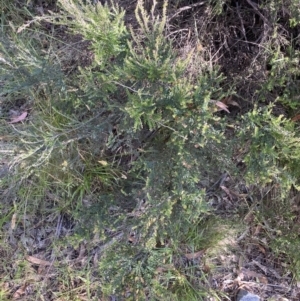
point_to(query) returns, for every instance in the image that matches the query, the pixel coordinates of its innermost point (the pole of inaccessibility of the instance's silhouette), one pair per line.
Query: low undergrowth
(123, 172)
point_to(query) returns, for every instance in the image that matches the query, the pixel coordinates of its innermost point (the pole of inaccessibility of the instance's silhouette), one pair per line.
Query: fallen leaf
(102, 162)
(164, 268)
(228, 101)
(159, 270)
(206, 268)
(64, 164)
(20, 292)
(132, 238)
(13, 221)
(96, 259)
(227, 192)
(37, 261)
(296, 118)
(194, 255)
(257, 230)
(19, 118)
(222, 106)
(199, 47)
(82, 252)
(234, 103)
(262, 279)
(249, 217)
(241, 262)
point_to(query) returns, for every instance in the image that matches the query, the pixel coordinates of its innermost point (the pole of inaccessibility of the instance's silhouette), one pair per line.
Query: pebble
(246, 296)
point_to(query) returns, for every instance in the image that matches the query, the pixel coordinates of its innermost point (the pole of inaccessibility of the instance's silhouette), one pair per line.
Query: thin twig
(116, 238)
(59, 226)
(242, 24)
(176, 31)
(254, 6)
(219, 182)
(181, 9)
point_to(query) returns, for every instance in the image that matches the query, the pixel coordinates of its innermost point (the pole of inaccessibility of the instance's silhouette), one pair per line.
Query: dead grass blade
(37, 261)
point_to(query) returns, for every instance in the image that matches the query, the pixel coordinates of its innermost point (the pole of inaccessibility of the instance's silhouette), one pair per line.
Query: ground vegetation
(149, 150)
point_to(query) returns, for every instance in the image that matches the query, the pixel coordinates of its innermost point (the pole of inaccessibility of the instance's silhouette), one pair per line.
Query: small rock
(246, 296)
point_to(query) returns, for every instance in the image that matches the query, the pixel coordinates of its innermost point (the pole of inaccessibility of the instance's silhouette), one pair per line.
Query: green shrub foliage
(146, 137)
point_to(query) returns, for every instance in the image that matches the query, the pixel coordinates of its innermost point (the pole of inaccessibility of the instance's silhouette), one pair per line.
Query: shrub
(122, 146)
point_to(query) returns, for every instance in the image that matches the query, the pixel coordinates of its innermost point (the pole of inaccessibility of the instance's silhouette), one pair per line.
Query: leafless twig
(254, 6)
(242, 24)
(181, 9)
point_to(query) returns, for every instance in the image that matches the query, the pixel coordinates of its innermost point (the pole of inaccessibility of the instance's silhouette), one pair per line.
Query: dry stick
(243, 28)
(59, 226)
(219, 182)
(254, 6)
(267, 25)
(216, 53)
(186, 8)
(176, 31)
(116, 238)
(56, 235)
